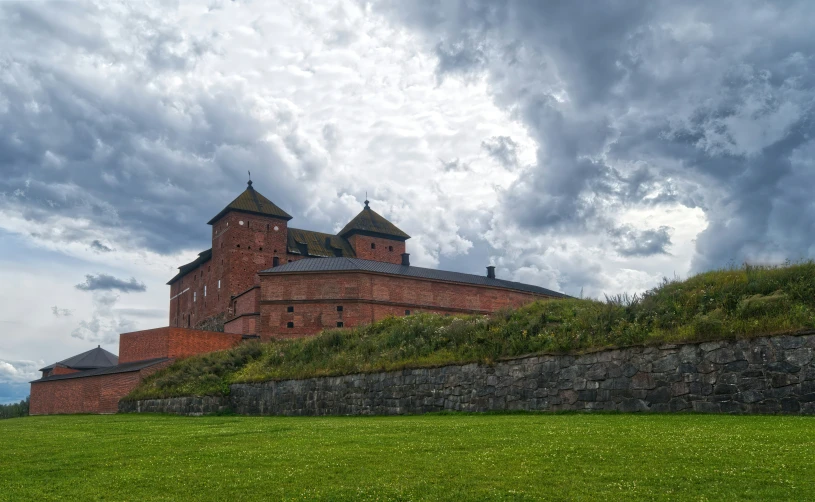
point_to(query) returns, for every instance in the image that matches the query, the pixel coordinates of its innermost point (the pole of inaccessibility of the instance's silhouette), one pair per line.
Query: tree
(15, 410)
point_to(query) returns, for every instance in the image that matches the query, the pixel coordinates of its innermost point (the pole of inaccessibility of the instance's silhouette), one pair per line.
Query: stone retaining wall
(761, 375)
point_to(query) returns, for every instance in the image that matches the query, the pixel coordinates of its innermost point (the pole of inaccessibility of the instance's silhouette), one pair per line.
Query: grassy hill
(730, 303)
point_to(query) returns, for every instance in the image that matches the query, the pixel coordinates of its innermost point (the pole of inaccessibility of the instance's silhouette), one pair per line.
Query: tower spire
(249, 183)
(366, 198)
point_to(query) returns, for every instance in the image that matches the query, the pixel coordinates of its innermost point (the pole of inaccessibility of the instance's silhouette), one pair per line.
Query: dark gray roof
(183, 270)
(92, 359)
(112, 370)
(358, 264)
(253, 202)
(370, 222)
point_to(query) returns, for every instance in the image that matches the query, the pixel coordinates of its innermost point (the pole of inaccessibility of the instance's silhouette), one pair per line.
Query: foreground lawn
(440, 457)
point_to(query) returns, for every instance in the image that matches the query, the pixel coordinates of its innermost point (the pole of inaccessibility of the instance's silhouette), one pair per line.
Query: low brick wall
(761, 375)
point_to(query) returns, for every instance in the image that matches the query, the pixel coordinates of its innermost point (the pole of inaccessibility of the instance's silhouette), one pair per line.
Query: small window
(250, 247)
(239, 245)
(339, 324)
(339, 308)
(205, 290)
(290, 308)
(219, 284)
(267, 227)
(373, 246)
(289, 324)
(289, 261)
(194, 296)
(407, 312)
(275, 261)
(261, 248)
(390, 248)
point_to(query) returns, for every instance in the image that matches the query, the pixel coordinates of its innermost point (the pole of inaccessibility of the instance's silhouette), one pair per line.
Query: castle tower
(248, 235)
(375, 238)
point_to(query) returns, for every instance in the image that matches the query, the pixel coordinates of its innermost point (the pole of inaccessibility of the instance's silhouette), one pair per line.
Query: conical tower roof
(92, 359)
(252, 201)
(370, 222)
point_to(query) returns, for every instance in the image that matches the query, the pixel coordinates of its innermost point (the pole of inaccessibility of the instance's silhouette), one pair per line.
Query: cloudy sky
(593, 146)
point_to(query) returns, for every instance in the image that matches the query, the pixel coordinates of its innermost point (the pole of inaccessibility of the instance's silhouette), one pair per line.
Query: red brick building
(265, 279)
(95, 381)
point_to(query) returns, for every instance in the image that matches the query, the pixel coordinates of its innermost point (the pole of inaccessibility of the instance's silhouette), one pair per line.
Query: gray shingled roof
(369, 221)
(112, 370)
(92, 359)
(358, 264)
(252, 201)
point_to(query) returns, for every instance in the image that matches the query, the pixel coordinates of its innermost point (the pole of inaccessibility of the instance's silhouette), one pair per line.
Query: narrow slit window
(373, 245)
(390, 248)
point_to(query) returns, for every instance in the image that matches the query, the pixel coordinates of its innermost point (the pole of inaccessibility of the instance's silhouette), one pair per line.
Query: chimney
(491, 272)
(405, 259)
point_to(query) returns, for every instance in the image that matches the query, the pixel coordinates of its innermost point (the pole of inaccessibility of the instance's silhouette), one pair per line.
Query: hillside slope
(731, 303)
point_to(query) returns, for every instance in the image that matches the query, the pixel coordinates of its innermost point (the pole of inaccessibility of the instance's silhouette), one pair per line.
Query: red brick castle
(264, 279)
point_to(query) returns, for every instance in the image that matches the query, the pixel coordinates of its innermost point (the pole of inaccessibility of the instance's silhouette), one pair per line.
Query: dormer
(375, 238)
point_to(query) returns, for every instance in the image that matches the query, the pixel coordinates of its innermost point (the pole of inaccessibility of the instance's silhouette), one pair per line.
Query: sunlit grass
(429, 457)
(737, 302)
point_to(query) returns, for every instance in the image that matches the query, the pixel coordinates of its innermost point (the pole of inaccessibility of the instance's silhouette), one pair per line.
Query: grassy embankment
(730, 303)
(429, 457)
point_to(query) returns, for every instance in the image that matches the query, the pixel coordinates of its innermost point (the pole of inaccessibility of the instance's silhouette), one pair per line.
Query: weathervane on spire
(250, 179)
(366, 198)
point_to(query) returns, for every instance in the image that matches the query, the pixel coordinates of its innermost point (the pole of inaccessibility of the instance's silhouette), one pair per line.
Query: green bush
(736, 302)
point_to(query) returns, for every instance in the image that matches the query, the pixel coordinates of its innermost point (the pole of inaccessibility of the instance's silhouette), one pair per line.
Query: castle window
(267, 227)
(250, 247)
(205, 290)
(239, 245)
(373, 246)
(390, 248)
(407, 312)
(289, 324)
(275, 261)
(339, 324)
(261, 248)
(339, 308)
(290, 308)
(219, 284)
(194, 295)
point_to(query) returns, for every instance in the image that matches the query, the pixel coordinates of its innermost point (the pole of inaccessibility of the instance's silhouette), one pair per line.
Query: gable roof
(369, 222)
(92, 359)
(319, 244)
(203, 256)
(251, 201)
(358, 264)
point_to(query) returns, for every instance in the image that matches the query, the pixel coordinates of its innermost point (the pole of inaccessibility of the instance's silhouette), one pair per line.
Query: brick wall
(247, 302)
(309, 301)
(387, 250)
(61, 370)
(96, 394)
(245, 324)
(171, 342)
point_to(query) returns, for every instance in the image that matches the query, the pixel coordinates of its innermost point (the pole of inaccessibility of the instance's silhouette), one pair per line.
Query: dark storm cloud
(97, 245)
(104, 282)
(503, 149)
(629, 241)
(85, 134)
(635, 104)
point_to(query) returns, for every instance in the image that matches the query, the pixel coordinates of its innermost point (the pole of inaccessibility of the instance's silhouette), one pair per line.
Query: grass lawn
(431, 457)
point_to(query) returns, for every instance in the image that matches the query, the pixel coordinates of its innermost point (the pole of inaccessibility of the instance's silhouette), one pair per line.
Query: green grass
(430, 457)
(736, 302)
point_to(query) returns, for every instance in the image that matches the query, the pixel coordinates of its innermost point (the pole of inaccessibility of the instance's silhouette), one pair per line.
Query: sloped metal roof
(92, 359)
(112, 370)
(318, 244)
(203, 256)
(358, 264)
(252, 201)
(369, 221)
